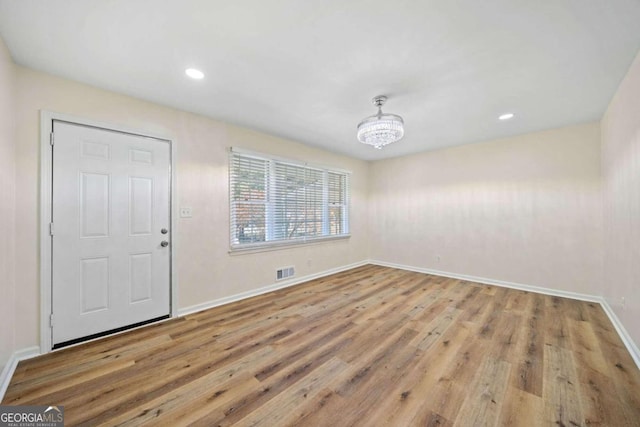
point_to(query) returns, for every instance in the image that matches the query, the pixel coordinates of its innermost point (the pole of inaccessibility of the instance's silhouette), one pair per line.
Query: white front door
(110, 227)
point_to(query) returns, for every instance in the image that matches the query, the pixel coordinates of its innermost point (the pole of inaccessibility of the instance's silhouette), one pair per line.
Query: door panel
(140, 276)
(94, 204)
(141, 206)
(94, 284)
(111, 198)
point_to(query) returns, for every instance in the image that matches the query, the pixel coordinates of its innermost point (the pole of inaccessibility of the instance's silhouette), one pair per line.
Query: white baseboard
(622, 332)
(263, 290)
(12, 363)
(486, 281)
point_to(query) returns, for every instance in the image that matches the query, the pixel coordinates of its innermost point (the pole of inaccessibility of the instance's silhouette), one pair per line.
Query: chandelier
(380, 129)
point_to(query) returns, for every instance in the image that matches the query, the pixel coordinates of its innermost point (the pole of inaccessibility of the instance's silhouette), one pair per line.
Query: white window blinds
(249, 195)
(276, 201)
(337, 203)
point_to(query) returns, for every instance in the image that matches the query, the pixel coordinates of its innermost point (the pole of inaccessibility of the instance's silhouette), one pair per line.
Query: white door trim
(46, 170)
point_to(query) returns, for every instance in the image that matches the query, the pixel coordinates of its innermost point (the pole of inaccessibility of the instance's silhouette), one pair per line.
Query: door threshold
(109, 332)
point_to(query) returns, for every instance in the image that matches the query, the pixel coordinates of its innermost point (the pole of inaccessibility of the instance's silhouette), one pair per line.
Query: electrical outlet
(186, 213)
(438, 258)
(623, 302)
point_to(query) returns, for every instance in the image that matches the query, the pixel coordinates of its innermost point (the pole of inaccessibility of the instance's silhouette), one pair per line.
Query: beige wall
(621, 172)
(7, 206)
(206, 271)
(525, 209)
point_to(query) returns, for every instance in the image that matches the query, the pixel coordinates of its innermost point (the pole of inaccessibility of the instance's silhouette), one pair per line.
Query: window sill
(274, 246)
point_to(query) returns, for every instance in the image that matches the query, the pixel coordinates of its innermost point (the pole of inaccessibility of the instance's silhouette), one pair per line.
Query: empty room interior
(301, 213)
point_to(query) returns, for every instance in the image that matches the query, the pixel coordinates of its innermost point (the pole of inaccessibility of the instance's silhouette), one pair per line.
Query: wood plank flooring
(372, 346)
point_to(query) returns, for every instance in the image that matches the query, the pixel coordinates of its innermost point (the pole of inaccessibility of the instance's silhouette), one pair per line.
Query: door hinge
(51, 138)
(50, 229)
(51, 320)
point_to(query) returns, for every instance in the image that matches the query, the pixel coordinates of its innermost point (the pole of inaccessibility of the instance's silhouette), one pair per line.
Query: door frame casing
(46, 189)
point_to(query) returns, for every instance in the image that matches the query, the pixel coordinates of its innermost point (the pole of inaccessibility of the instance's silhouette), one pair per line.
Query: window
(277, 201)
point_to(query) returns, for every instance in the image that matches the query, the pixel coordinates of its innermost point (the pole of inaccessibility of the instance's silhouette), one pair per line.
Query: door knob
(164, 231)
(164, 243)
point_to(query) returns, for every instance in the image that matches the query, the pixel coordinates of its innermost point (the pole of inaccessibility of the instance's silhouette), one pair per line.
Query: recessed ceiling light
(506, 116)
(194, 74)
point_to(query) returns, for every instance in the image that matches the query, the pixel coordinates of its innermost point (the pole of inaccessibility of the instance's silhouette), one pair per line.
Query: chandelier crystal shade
(380, 129)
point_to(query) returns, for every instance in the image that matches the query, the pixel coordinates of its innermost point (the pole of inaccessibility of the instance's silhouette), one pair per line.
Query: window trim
(284, 243)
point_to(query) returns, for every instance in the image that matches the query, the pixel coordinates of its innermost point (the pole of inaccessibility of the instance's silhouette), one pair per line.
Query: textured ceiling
(307, 70)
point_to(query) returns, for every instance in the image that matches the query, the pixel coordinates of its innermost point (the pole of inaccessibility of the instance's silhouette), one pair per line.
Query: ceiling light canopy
(194, 74)
(506, 116)
(380, 129)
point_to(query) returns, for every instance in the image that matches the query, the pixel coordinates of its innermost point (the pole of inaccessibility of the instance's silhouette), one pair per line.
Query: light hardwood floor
(371, 346)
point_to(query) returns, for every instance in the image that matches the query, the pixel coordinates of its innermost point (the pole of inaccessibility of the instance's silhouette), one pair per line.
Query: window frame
(270, 241)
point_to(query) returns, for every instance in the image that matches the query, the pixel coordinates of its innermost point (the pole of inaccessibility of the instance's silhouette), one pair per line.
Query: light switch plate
(186, 213)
